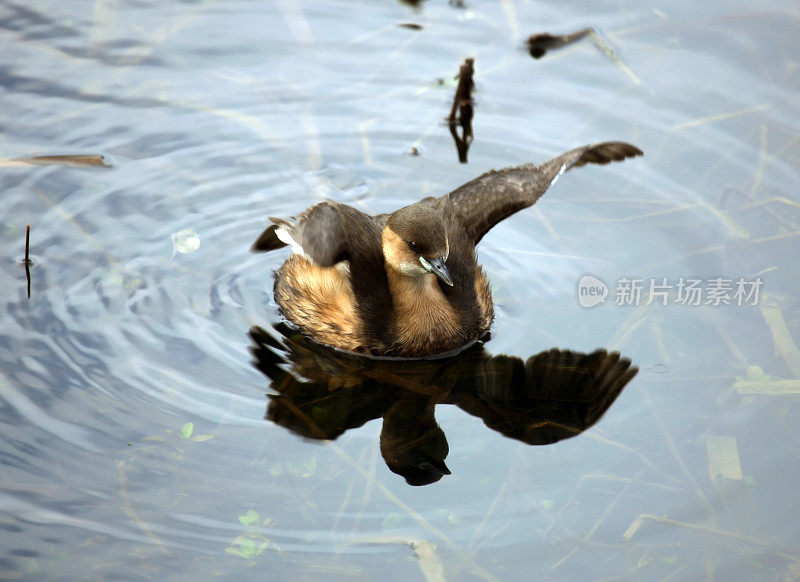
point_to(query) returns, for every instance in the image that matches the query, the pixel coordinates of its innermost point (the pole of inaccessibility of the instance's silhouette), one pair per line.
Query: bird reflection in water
(322, 392)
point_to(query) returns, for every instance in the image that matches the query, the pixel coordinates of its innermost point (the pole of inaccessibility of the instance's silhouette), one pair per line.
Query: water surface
(132, 428)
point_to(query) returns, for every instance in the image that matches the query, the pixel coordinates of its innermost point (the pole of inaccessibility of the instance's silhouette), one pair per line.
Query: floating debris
(767, 387)
(426, 552)
(185, 241)
(462, 103)
(539, 44)
(410, 25)
(429, 561)
(784, 344)
(723, 459)
(76, 161)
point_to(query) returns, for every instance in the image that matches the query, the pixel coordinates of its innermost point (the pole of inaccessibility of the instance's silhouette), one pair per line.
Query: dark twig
(27, 259)
(462, 102)
(465, 86)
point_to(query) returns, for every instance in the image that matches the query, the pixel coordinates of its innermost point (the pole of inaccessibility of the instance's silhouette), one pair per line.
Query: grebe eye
(413, 246)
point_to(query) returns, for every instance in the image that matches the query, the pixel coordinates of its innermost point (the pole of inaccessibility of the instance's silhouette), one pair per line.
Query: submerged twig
(597, 524)
(606, 49)
(128, 509)
(469, 563)
(721, 116)
(662, 425)
(637, 523)
(737, 353)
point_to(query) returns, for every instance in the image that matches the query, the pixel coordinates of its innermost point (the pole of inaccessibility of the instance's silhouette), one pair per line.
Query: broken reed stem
(130, 511)
(782, 338)
(709, 529)
(27, 259)
(464, 88)
(469, 563)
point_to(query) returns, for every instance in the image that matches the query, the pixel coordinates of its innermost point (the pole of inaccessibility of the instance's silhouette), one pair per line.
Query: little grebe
(406, 283)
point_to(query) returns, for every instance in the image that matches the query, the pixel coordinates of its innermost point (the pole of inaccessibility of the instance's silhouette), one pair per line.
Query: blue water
(214, 116)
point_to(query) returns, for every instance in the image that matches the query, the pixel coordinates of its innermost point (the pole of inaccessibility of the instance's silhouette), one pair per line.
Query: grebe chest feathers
(406, 283)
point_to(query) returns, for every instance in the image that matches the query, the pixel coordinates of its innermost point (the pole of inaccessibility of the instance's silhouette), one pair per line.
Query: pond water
(133, 439)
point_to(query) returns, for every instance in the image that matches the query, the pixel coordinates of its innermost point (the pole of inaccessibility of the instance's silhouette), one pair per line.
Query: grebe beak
(438, 268)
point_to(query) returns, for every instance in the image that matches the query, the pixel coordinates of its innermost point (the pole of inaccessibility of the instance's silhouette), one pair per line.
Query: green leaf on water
(234, 551)
(756, 373)
(263, 546)
(249, 518)
(248, 548)
(392, 520)
(187, 430)
(115, 277)
(451, 517)
(311, 467)
(547, 504)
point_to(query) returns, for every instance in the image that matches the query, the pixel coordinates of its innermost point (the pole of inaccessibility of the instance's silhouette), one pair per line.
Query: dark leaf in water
(539, 44)
(77, 161)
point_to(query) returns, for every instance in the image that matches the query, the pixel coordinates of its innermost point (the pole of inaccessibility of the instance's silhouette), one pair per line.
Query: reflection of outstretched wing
(555, 395)
(322, 392)
(497, 194)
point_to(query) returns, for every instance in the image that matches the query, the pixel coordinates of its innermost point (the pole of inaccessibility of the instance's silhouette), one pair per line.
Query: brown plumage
(406, 283)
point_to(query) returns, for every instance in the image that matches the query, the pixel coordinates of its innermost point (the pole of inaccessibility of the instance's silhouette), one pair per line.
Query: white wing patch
(286, 237)
(557, 176)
